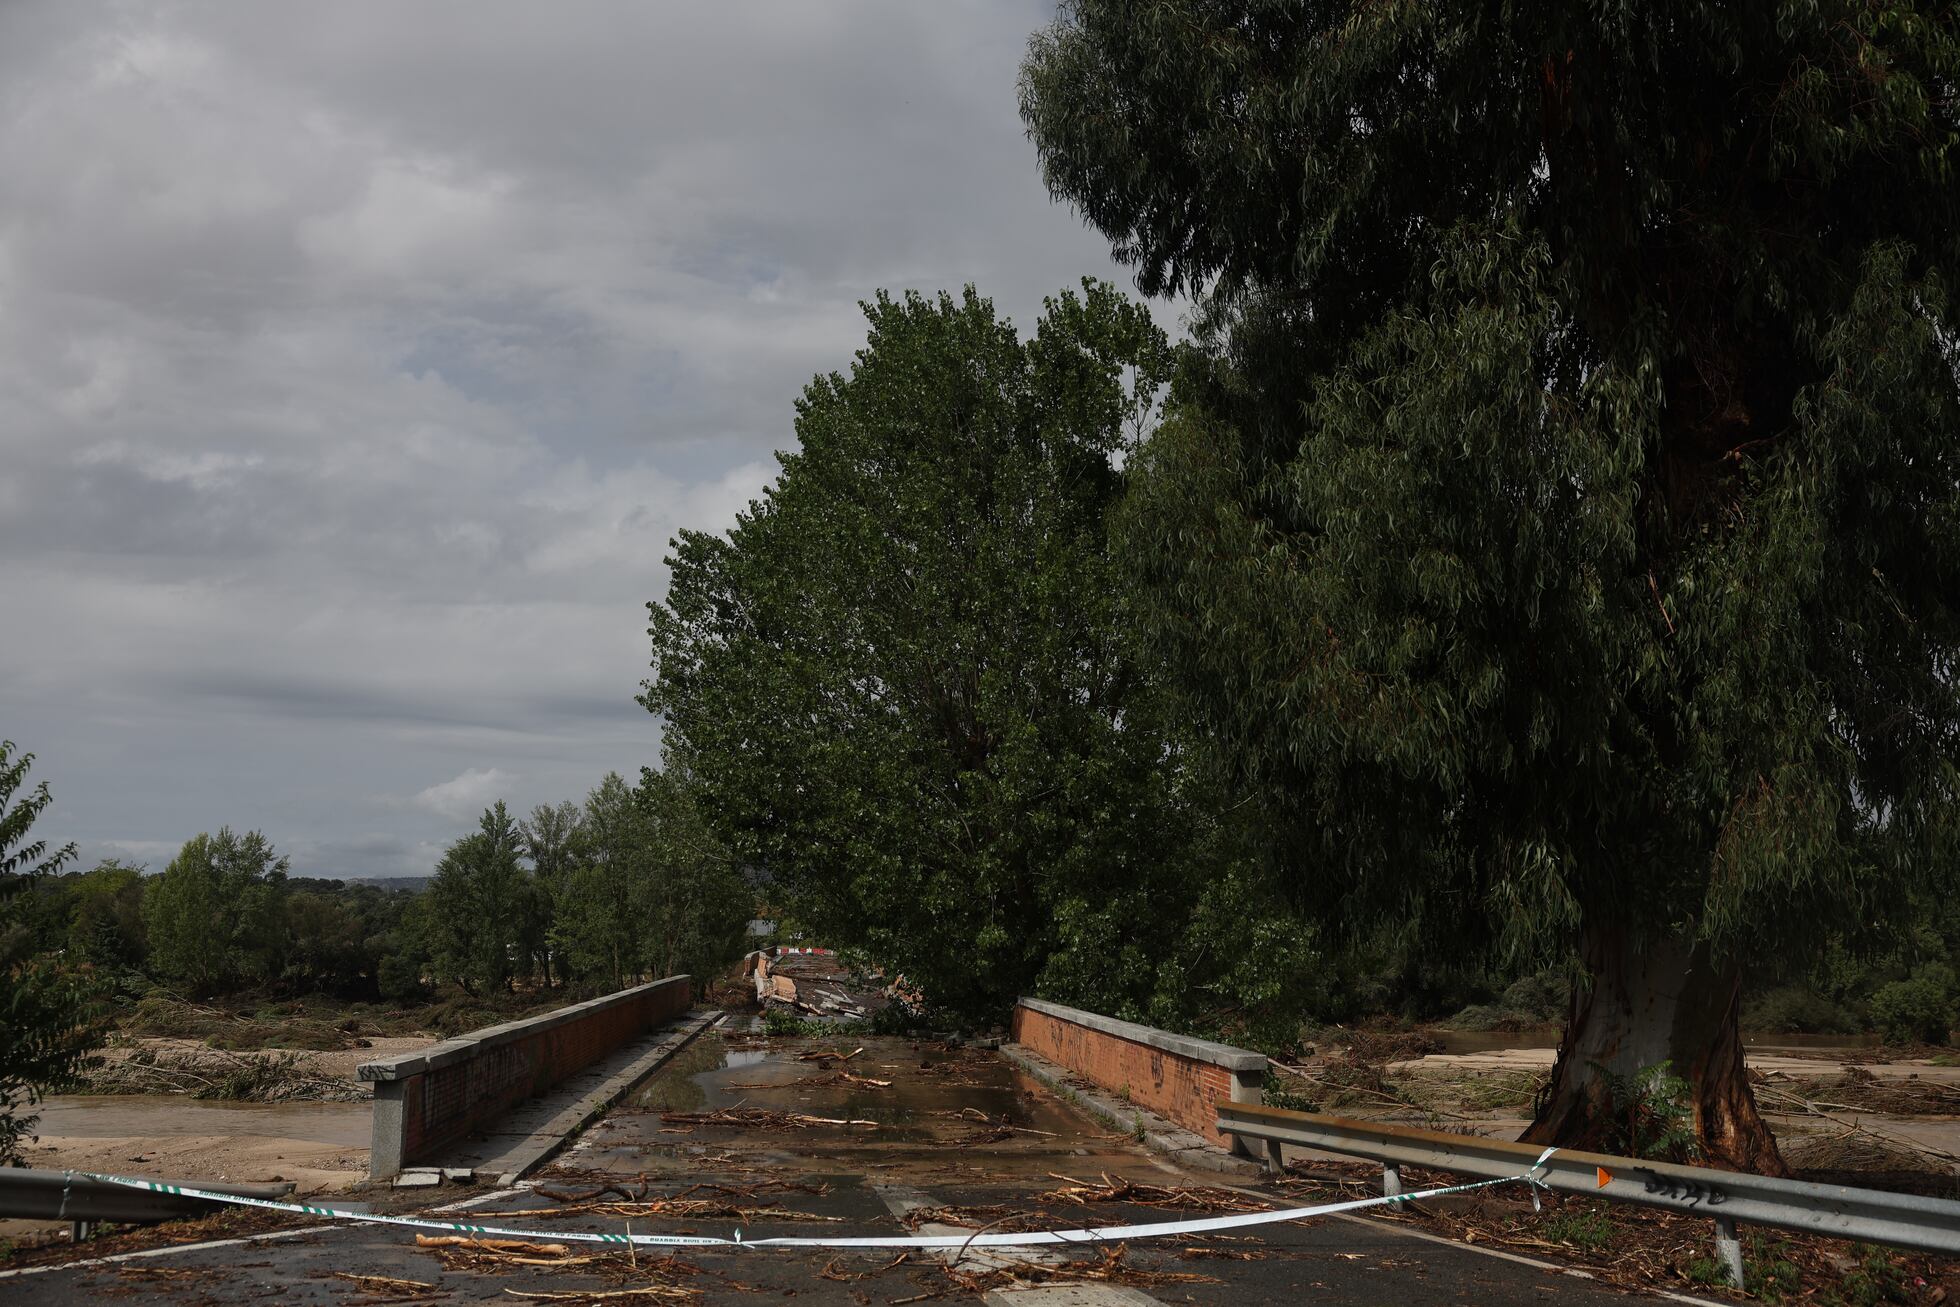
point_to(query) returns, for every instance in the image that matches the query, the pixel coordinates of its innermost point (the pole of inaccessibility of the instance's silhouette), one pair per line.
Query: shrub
(1541, 997)
(1283, 1092)
(1798, 1009)
(1652, 1115)
(1917, 1010)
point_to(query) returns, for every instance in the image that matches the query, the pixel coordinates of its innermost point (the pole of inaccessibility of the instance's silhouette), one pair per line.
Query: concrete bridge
(728, 1128)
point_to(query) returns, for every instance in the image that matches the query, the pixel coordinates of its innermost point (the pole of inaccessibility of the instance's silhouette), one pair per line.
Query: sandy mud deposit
(1850, 1115)
(314, 1133)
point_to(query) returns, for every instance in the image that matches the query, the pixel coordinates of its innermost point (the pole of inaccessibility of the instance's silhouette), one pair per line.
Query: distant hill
(328, 884)
(416, 883)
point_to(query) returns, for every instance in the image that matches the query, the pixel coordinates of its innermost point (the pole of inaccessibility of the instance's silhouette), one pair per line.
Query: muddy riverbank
(321, 1147)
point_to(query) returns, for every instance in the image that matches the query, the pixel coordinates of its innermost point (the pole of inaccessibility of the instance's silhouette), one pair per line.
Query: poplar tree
(480, 906)
(216, 916)
(1558, 521)
(903, 685)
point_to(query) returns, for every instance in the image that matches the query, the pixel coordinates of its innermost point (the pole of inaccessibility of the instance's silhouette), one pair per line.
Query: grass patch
(1590, 1231)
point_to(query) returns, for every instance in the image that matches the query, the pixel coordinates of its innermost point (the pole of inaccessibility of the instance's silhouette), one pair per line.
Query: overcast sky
(358, 360)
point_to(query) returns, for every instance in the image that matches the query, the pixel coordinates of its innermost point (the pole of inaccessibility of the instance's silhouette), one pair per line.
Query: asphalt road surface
(956, 1141)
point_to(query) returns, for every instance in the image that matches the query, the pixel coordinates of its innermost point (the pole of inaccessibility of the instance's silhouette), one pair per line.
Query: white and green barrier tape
(1022, 1239)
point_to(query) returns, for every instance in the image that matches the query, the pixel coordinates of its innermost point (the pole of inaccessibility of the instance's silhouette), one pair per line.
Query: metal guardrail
(1728, 1198)
(62, 1196)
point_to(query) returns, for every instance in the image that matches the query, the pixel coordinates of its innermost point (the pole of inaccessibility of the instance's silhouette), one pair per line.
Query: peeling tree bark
(1662, 1002)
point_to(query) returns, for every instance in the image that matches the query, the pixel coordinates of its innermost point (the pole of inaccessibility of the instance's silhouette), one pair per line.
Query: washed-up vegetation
(255, 1078)
(1641, 1248)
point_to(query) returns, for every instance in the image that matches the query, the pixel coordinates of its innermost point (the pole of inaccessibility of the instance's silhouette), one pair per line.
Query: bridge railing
(426, 1101)
(1728, 1198)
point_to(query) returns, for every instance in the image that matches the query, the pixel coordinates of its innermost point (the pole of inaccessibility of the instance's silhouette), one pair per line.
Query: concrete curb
(549, 1139)
(1181, 1146)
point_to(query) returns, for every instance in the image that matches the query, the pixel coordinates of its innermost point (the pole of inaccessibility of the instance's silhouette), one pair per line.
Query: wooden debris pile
(815, 985)
(1855, 1089)
(276, 1077)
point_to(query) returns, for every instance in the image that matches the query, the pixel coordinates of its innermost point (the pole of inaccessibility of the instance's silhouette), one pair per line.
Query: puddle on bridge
(944, 1112)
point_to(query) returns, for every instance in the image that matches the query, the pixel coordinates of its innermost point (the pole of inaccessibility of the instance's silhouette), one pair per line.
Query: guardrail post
(1728, 1250)
(1391, 1179)
(1275, 1159)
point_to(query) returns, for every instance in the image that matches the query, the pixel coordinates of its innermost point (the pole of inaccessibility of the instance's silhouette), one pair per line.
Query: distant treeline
(587, 895)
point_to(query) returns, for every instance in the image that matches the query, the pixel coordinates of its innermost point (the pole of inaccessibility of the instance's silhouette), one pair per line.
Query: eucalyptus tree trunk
(1667, 1001)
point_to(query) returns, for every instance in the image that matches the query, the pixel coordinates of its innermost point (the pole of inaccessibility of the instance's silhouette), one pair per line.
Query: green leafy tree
(406, 962)
(654, 892)
(48, 1024)
(1918, 1009)
(697, 904)
(216, 917)
(477, 904)
(105, 917)
(903, 685)
(1558, 521)
(328, 944)
(553, 841)
(598, 930)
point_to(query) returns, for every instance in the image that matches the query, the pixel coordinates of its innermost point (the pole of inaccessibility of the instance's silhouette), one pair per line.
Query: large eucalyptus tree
(1560, 522)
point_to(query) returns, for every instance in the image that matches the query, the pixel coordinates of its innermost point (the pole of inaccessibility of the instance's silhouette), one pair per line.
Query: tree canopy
(216, 917)
(905, 680)
(49, 1027)
(478, 905)
(1558, 521)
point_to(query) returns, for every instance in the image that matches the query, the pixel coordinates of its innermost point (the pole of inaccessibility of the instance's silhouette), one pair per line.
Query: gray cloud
(358, 361)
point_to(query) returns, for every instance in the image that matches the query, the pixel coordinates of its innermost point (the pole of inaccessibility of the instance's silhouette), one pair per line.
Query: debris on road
(1192, 1198)
(600, 1295)
(388, 1288)
(1103, 1266)
(832, 1271)
(491, 1245)
(760, 1118)
(816, 983)
(682, 1209)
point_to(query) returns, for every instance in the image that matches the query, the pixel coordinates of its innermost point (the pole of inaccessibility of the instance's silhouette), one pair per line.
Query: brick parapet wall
(424, 1102)
(1183, 1080)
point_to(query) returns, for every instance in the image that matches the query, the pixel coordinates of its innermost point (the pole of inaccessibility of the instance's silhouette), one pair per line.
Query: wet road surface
(753, 1133)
